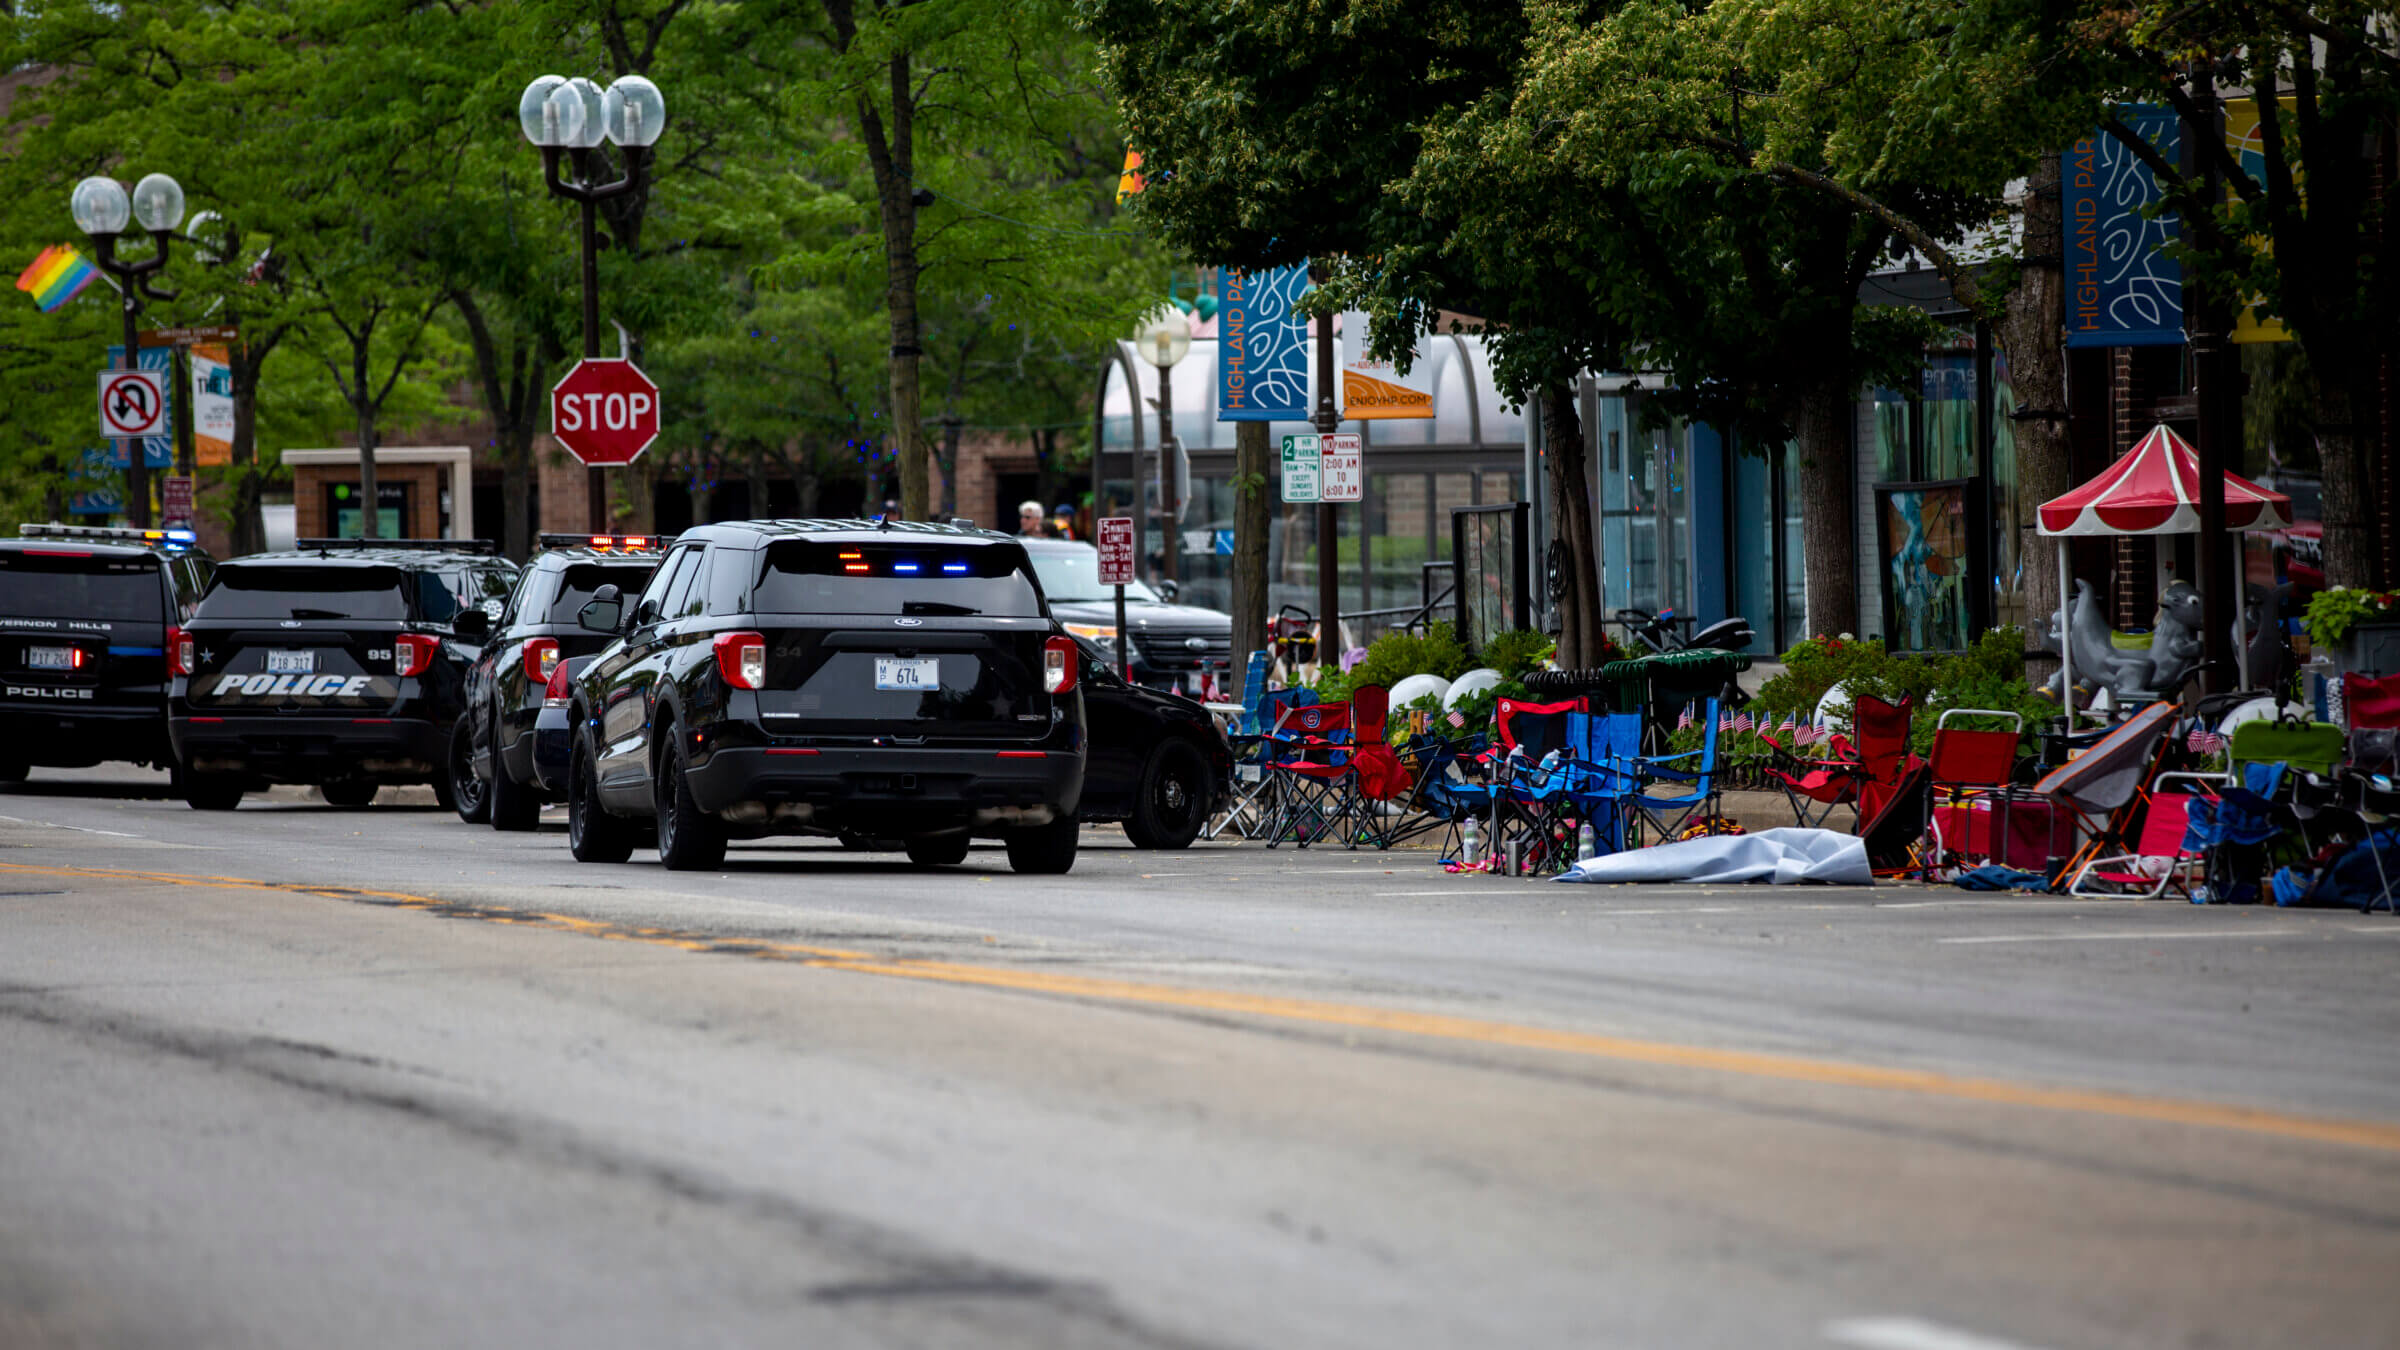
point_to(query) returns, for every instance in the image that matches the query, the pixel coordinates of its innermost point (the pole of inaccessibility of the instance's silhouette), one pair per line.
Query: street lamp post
(568, 119)
(102, 211)
(1163, 341)
(1327, 419)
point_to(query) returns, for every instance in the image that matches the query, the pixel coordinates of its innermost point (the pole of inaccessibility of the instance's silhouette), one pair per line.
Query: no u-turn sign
(604, 412)
(133, 403)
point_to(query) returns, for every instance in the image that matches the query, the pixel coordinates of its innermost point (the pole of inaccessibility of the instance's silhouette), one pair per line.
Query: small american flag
(1805, 734)
(1742, 722)
(1684, 722)
(1791, 725)
(2203, 741)
(1724, 720)
(1458, 719)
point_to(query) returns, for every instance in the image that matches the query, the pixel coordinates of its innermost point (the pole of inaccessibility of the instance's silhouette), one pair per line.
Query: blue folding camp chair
(1667, 813)
(1252, 810)
(1602, 780)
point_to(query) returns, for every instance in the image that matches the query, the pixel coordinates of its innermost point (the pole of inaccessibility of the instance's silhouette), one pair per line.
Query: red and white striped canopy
(2155, 489)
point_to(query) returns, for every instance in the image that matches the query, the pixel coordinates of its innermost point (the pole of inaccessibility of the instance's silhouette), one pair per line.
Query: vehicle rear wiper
(318, 614)
(943, 607)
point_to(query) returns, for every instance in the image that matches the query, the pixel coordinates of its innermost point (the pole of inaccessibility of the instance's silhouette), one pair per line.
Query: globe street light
(103, 211)
(1162, 340)
(568, 119)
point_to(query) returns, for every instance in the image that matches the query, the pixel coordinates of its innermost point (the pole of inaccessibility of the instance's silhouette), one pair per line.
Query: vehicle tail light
(1058, 665)
(412, 653)
(555, 693)
(179, 652)
(541, 657)
(742, 659)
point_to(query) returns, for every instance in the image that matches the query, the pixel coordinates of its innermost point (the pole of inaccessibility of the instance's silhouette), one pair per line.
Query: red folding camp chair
(1971, 771)
(1883, 756)
(1827, 781)
(1318, 768)
(2105, 786)
(2165, 856)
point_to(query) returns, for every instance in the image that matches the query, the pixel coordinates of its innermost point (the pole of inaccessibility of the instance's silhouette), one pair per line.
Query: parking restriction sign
(1301, 463)
(1116, 551)
(1343, 467)
(133, 403)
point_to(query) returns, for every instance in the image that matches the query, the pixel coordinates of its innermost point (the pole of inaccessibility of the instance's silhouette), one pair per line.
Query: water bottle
(1471, 843)
(1551, 761)
(1586, 845)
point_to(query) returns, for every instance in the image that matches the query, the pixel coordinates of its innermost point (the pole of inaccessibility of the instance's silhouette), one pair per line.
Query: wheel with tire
(1170, 801)
(352, 793)
(1043, 850)
(938, 850)
(470, 796)
(212, 791)
(515, 805)
(593, 835)
(689, 839)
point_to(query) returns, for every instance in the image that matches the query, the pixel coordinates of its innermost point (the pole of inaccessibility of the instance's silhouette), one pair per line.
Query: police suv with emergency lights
(340, 663)
(535, 644)
(886, 680)
(85, 613)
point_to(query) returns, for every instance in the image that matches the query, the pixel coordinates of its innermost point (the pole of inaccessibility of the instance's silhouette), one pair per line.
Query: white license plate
(892, 672)
(50, 658)
(291, 663)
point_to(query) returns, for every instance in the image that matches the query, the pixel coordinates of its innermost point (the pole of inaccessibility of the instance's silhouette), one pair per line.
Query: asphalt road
(304, 1077)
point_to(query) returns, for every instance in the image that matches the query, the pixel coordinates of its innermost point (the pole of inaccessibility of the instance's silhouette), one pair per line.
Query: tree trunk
(2349, 504)
(893, 159)
(1830, 554)
(370, 512)
(249, 529)
(2030, 332)
(1571, 524)
(1250, 524)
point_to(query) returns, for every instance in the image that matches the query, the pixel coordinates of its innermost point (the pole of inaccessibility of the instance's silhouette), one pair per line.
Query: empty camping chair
(1536, 741)
(1816, 785)
(2102, 788)
(1692, 776)
(2372, 707)
(1310, 762)
(1601, 780)
(2169, 853)
(1881, 732)
(1251, 812)
(1971, 770)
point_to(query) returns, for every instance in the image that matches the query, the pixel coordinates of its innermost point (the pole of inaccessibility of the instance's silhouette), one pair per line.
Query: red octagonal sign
(605, 411)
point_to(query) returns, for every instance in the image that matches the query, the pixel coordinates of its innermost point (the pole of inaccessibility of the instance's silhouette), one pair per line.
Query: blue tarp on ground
(1777, 857)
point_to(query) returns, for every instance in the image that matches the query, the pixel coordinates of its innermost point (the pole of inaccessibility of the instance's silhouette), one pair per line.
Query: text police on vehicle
(339, 664)
(87, 614)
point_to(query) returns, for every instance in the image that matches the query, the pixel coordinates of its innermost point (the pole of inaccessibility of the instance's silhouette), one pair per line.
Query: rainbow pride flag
(56, 277)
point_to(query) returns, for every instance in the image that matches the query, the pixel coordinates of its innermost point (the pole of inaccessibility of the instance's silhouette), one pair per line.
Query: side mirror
(1169, 590)
(471, 624)
(604, 612)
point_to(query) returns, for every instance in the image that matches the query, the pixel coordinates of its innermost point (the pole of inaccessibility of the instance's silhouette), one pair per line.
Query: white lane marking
(1910, 1333)
(2125, 937)
(1967, 904)
(79, 829)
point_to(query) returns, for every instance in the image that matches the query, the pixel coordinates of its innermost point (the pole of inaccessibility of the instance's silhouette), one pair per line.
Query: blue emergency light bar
(122, 533)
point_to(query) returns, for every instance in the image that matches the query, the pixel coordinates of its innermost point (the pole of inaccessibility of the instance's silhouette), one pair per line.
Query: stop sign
(604, 411)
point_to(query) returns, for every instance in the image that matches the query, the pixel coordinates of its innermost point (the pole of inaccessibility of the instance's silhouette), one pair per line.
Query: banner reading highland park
(1373, 390)
(2121, 290)
(1262, 346)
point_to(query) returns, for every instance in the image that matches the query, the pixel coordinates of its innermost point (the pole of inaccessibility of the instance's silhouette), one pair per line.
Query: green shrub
(1518, 652)
(2334, 611)
(1396, 656)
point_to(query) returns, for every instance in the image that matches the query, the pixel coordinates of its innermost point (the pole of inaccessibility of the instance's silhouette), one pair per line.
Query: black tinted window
(577, 583)
(296, 592)
(46, 584)
(896, 578)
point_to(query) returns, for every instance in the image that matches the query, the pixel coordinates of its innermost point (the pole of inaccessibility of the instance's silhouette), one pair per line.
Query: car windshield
(1072, 576)
(68, 584)
(297, 592)
(807, 577)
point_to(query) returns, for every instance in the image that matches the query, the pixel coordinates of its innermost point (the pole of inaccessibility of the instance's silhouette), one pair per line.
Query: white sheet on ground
(1779, 857)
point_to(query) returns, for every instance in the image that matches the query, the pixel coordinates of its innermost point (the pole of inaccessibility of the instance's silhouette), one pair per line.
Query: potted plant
(2362, 625)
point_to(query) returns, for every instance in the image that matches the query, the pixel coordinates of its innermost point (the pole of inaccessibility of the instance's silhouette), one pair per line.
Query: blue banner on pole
(158, 452)
(2122, 290)
(1262, 346)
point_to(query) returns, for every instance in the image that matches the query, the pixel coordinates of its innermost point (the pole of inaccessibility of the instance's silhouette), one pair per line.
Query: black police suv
(1170, 646)
(886, 680)
(492, 772)
(341, 663)
(86, 616)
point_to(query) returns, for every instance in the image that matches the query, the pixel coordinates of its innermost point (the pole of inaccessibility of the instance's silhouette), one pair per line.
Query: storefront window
(1645, 514)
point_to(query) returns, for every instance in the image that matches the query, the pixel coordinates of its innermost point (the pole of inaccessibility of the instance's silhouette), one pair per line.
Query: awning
(2155, 489)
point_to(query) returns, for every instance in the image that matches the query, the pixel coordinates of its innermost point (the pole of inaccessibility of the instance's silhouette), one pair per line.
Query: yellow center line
(1741, 1063)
